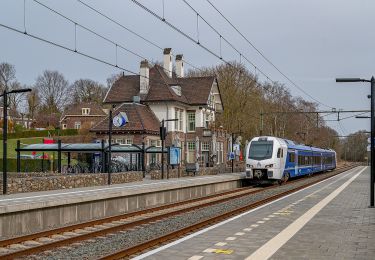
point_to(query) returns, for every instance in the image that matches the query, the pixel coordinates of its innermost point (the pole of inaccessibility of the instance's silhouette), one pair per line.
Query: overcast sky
(311, 41)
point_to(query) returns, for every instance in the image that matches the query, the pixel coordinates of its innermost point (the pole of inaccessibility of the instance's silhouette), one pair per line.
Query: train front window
(261, 150)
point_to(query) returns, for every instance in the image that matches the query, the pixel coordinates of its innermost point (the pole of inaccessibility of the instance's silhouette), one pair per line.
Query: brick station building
(157, 94)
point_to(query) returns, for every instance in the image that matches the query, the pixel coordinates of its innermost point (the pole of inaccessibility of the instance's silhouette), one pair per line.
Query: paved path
(330, 220)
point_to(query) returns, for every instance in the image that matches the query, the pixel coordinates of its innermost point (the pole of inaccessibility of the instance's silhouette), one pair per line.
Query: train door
(296, 164)
(282, 160)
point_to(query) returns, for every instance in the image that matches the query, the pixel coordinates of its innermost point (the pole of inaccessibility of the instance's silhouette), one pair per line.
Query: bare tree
(9, 82)
(112, 79)
(53, 91)
(87, 90)
(7, 75)
(33, 101)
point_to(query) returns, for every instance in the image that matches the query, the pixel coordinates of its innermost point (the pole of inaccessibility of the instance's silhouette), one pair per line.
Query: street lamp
(163, 133)
(5, 132)
(372, 81)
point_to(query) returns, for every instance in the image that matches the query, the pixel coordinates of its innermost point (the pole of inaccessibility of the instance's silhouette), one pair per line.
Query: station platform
(24, 213)
(330, 220)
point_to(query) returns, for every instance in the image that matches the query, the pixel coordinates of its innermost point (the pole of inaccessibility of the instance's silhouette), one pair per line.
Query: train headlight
(269, 165)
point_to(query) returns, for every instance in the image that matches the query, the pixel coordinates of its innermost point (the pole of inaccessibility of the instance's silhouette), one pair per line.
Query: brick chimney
(179, 66)
(168, 61)
(144, 80)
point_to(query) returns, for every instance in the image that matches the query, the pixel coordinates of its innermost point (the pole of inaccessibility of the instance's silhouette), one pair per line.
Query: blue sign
(232, 156)
(120, 119)
(174, 155)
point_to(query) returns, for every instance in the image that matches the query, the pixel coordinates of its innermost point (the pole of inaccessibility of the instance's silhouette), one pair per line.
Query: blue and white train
(270, 159)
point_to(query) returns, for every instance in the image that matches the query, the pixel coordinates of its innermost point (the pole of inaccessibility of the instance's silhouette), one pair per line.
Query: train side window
(291, 157)
(278, 153)
(282, 153)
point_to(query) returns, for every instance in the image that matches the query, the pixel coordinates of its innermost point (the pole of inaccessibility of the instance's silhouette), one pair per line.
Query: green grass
(12, 145)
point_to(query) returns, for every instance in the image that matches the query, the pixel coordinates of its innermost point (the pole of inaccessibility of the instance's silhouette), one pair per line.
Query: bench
(191, 167)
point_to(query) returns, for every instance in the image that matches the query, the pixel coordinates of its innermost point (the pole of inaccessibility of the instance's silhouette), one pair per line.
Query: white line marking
(268, 249)
(247, 229)
(156, 250)
(254, 225)
(271, 216)
(239, 234)
(209, 250)
(220, 244)
(230, 238)
(195, 257)
(266, 218)
(260, 222)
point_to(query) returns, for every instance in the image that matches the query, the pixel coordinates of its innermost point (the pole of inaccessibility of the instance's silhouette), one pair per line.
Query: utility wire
(66, 48)
(189, 37)
(115, 44)
(264, 57)
(131, 31)
(224, 39)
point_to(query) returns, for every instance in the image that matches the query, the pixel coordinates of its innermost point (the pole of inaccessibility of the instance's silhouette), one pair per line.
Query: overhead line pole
(372, 136)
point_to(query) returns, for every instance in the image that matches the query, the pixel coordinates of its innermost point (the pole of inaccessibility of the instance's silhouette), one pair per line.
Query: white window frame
(191, 120)
(205, 146)
(77, 125)
(120, 141)
(178, 114)
(128, 141)
(85, 111)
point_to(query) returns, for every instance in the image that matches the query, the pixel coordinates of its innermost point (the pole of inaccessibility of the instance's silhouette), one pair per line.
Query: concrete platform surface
(330, 220)
(34, 200)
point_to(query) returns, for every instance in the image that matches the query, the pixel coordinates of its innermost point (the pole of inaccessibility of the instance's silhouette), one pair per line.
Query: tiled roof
(194, 90)
(95, 109)
(141, 119)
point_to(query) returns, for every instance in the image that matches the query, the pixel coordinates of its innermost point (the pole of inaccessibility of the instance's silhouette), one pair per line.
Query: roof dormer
(85, 111)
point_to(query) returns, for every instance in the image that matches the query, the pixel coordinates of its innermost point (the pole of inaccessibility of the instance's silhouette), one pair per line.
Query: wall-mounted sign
(174, 155)
(120, 119)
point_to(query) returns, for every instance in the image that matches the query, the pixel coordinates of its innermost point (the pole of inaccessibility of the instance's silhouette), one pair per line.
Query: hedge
(28, 165)
(42, 133)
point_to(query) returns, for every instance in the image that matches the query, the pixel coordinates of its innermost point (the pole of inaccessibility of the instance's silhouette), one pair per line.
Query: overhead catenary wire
(152, 43)
(265, 58)
(191, 38)
(115, 44)
(223, 38)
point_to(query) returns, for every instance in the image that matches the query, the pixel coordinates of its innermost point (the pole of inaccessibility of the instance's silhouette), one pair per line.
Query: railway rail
(51, 239)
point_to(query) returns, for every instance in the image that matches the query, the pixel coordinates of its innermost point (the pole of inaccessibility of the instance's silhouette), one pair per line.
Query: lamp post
(5, 132)
(163, 133)
(372, 179)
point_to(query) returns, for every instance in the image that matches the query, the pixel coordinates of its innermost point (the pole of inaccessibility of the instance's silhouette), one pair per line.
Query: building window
(220, 152)
(191, 121)
(128, 141)
(85, 111)
(191, 152)
(120, 141)
(178, 114)
(207, 120)
(205, 146)
(77, 125)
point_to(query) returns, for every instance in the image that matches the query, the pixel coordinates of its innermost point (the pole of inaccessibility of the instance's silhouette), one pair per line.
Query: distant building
(163, 94)
(17, 118)
(82, 115)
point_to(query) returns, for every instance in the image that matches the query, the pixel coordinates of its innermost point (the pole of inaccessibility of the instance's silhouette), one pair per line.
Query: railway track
(51, 239)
